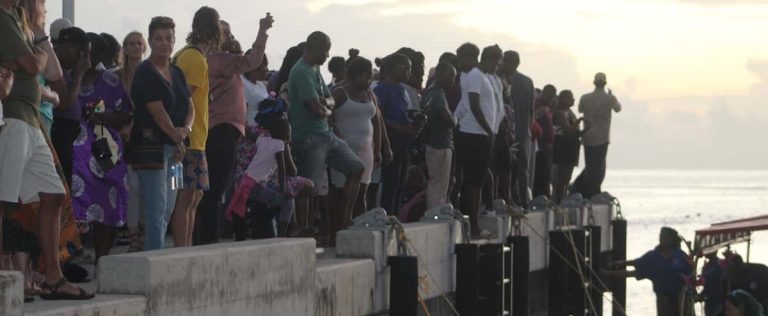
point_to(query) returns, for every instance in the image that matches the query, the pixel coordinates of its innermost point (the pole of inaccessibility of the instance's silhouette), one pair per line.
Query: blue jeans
(158, 200)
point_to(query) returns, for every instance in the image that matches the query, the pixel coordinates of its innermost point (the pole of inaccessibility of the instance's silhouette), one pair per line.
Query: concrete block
(499, 226)
(603, 214)
(102, 305)
(263, 277)
(344, 287)
(369, 244)
(11, 293)
(434, 247)
(431, 242)
(536, 227)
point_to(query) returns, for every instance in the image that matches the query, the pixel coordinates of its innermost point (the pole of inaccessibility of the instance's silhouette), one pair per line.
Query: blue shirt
(149, 86)
(393, 102)
(713, 280)
(666, 273)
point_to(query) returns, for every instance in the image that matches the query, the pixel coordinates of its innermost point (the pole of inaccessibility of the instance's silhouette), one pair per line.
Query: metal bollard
(595, 259)
(619, 288)
(520, 272)
(467, 270)
(403, 285)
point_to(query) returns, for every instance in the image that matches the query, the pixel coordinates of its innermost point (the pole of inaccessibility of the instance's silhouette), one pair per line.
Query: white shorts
(26, 164)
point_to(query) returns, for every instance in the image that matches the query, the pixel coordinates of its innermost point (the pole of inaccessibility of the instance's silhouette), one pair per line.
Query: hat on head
(600, 77)
(59, 25)
(73, 35)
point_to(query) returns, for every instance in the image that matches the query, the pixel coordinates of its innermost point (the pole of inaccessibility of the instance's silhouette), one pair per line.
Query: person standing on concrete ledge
(439, 131)
(27, 171)
(596, 107)
(192, 60)
(227, 117)
(163, 115)
(479, 115)
(316, 147)
(522, 95)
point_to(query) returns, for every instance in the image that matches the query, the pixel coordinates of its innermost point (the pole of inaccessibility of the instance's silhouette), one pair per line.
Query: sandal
(56, 295)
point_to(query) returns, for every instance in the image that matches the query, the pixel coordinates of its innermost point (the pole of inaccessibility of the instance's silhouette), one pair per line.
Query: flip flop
(56, 295)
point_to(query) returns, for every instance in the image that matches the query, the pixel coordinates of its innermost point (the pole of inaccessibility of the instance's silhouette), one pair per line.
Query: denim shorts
(319, 151)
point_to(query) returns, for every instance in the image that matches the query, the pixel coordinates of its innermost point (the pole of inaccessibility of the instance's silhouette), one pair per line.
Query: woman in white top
(356, 120)
(255, 90)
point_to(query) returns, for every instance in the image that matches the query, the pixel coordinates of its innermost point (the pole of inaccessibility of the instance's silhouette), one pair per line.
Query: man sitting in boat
(750, 277)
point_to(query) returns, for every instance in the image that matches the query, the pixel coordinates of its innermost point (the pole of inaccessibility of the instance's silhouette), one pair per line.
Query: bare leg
(470, 201)
(326, 217)
(191, 216)
(488, 191)
(183, 218)
(362, 199)
(103, 237)
(302, 199)
(349, 199)
(505, 187)
(49, 230)
(22, 264)
(372, 195)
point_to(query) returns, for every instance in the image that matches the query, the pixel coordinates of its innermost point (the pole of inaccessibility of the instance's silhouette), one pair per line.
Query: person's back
(23, 101)
(521, 89)
(597, 107)
(475, 81)
(751, 277)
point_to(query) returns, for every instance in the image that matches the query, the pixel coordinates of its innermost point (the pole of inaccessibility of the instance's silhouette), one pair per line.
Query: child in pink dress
(270, 178)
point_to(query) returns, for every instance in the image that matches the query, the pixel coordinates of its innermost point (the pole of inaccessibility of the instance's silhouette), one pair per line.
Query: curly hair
(205, 27)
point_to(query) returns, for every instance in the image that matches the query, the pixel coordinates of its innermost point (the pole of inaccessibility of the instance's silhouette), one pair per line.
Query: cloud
(318, 5)
(716, 132)
(725, 2)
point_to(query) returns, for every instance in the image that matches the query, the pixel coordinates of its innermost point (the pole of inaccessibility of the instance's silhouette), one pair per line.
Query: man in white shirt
(479, 114)
(596, 107)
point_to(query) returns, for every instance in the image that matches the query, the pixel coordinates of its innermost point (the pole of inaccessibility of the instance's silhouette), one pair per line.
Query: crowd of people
(209, 142)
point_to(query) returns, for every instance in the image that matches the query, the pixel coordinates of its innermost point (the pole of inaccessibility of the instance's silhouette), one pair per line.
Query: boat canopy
(720, 235)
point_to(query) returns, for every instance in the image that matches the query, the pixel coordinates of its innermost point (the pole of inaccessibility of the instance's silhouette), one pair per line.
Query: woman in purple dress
(99, 170)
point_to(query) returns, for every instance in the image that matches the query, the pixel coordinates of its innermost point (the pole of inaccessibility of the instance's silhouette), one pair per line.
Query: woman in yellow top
(205, 36)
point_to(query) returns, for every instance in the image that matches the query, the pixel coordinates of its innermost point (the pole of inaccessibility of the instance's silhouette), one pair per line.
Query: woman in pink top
(227, 116)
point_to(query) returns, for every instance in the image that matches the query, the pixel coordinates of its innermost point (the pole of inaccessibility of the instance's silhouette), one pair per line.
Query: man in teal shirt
(315, 146)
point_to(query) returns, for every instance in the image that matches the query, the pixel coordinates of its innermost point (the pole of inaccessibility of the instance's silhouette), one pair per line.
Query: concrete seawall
(286, 277)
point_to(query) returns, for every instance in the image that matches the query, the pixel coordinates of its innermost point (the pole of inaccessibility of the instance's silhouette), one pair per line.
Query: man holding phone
(596, 107)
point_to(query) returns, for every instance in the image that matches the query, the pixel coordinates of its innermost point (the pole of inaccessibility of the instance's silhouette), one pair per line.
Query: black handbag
(102, 154)
(145, 151)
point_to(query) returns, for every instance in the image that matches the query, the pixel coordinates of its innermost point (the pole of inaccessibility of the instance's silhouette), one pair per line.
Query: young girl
(270, 179)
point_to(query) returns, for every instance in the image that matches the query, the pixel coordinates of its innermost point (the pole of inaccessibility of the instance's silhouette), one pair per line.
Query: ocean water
(685, 200)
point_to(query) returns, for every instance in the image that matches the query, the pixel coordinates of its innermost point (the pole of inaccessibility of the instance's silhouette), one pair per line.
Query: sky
(692, 75)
